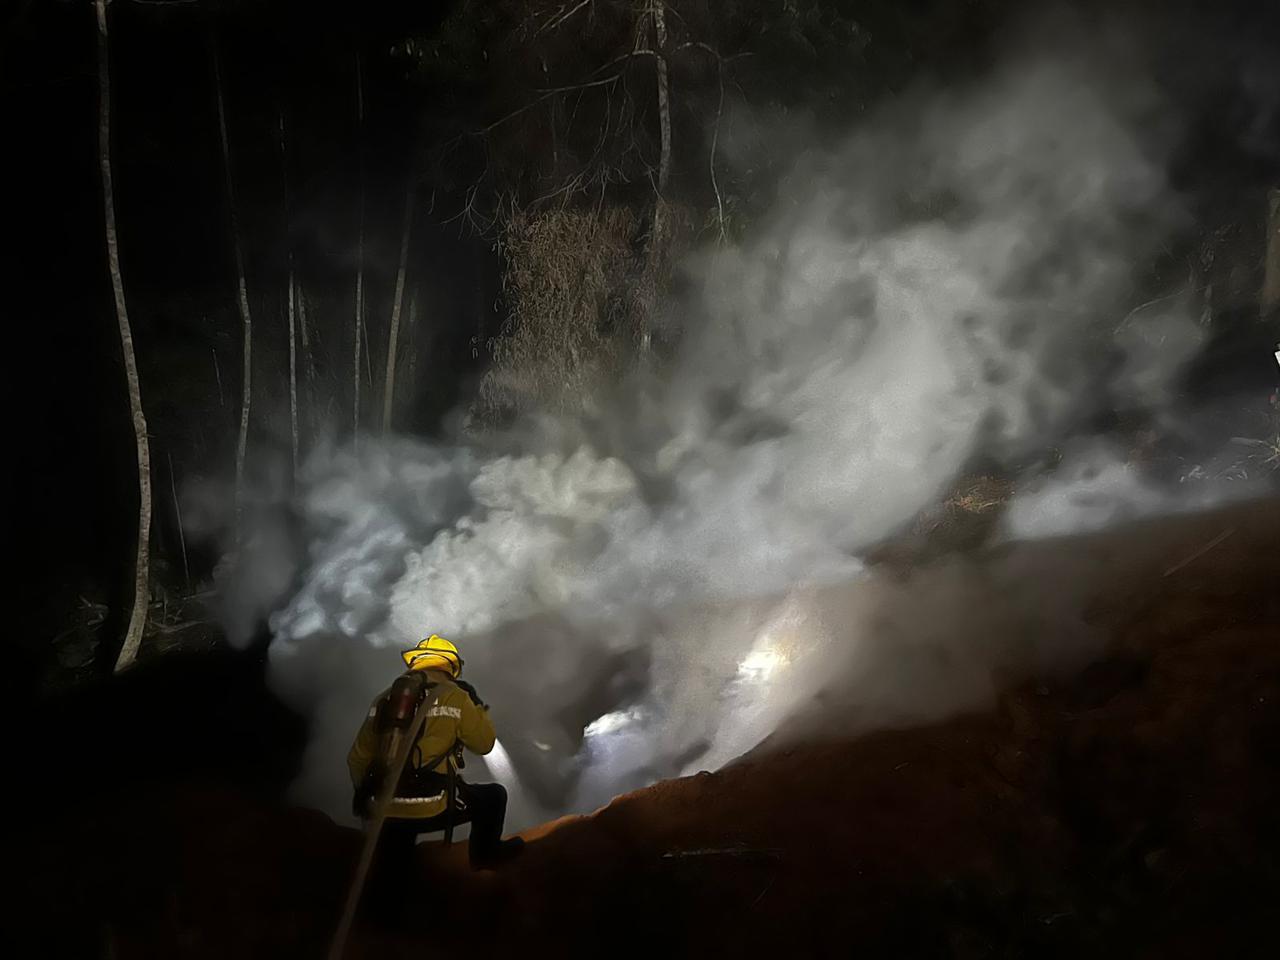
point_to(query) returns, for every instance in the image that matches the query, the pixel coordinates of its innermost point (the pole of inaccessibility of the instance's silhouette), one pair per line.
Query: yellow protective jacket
(452, 719)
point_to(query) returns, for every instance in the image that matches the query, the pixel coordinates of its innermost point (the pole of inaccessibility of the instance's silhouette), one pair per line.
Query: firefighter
(430, 795)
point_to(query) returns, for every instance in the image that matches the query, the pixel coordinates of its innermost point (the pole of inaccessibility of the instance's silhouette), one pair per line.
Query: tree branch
(711, 158)
(556, 21)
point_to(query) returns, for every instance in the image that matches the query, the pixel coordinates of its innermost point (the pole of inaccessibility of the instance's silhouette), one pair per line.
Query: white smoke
(1096, 488)
(949, 283)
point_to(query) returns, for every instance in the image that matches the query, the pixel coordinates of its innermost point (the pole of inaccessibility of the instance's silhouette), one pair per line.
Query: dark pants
(483, 805)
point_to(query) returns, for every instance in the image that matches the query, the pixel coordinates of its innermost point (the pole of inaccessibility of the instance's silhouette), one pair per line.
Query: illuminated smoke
(951, 282)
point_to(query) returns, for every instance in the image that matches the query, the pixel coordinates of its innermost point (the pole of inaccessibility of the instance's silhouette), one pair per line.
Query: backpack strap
(451, 770)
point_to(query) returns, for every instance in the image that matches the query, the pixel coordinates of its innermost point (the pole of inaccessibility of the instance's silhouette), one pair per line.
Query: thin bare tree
(308, 354)
(658, 11)
(1271, 274)
(141, 572)
(359, 320)
(658, 229)
(242, 296)
(292, 309)
(177, 513)
(389, 380)
(412, 363)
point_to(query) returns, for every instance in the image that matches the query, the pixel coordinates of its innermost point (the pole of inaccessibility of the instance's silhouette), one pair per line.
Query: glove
(471, 692)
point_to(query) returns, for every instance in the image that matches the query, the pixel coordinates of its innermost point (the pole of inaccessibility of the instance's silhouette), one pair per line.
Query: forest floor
(1131, 809)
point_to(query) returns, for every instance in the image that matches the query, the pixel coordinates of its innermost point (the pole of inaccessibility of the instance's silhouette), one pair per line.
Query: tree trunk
(308, 355)
(293, 371)
(659, 12)
(412, 364)
(658, 230)
(359, 320)
(242, 298)
(389, 380)
(1271, 279)
(177, 513)
(141, 577)
(292, 309)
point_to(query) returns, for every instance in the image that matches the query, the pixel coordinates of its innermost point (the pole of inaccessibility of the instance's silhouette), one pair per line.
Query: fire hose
(401, 747)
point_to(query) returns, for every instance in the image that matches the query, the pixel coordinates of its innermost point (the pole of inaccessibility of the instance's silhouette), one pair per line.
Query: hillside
(1128, 809)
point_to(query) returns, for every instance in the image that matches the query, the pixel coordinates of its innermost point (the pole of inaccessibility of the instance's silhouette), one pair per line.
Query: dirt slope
(1130, 810)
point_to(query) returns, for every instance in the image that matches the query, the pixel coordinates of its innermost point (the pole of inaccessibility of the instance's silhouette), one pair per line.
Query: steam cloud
(949, 284)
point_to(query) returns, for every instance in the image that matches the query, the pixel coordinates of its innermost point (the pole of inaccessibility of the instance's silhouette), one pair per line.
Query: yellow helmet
(434, 653)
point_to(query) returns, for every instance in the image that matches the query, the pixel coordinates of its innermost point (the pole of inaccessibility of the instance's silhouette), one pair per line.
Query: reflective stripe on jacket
(453, 718)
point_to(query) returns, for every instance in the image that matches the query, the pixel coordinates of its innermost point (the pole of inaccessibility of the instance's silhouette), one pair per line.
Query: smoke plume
(633, 593)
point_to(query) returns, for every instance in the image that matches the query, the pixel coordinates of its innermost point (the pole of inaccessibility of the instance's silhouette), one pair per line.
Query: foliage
(564, 270)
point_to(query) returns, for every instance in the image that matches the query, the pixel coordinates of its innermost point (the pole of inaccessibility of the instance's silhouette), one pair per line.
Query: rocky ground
(1128, 808)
